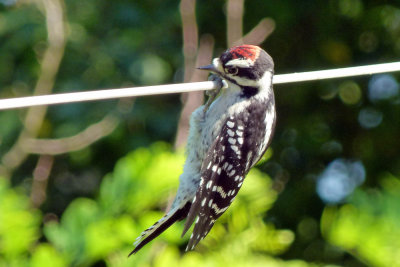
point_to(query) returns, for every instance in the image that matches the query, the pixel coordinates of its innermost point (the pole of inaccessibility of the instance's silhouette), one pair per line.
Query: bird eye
(232, 70)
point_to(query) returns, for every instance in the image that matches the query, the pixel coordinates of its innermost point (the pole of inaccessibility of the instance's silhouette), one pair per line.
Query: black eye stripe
(242, 72)
(247, 73)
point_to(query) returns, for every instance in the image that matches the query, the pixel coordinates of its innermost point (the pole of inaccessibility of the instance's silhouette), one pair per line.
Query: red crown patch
(245, 51)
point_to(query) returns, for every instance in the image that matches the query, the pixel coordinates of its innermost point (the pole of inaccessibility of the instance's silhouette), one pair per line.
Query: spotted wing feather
(227, 162)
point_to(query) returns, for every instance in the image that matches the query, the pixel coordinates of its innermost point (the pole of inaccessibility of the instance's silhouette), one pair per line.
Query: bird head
(244, 65)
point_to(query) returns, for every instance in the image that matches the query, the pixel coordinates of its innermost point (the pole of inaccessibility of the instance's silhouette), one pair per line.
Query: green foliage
(47, 255)
(130, 199)
(133, 197)
(368, 227)
(134, 182)
(19, 224)
(20, 232)
(89, 230)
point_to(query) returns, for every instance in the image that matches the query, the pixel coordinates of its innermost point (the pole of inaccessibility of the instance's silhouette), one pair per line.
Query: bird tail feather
(160, 226)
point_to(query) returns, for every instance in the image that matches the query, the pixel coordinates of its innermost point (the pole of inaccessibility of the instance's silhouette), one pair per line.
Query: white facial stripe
(266, 78)
(245, 82)
(240, 62)
(217, 64)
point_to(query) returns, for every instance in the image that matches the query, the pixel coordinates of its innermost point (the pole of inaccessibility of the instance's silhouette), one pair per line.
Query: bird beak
(210, 67)
(215, 66)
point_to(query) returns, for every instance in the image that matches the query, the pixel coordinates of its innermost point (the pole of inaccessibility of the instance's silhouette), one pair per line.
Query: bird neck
(249, 91)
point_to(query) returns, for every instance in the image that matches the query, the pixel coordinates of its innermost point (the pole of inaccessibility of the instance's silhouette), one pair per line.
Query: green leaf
(46, 255)
(19, 223)
(69, 235)
(368, 227)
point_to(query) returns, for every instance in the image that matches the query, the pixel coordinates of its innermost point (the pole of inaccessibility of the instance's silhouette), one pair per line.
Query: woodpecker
(227, 136)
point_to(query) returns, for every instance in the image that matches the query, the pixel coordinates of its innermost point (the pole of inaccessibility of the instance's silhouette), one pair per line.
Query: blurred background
(79, 182)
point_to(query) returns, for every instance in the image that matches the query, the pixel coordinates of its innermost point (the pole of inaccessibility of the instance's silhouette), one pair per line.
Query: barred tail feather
(160, 226)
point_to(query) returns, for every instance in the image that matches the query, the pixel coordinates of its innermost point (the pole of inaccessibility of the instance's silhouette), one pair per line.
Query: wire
(64, 98)
(336, 73)
(30, 101)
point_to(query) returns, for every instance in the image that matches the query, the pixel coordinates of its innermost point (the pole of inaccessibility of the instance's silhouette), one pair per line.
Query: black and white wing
(243, 139)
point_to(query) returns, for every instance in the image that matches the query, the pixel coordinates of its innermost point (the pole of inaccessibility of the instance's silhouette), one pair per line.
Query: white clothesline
(29, 101)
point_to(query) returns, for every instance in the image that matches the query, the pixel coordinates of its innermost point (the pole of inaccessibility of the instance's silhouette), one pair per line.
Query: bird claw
(222, 84)
(212, 94)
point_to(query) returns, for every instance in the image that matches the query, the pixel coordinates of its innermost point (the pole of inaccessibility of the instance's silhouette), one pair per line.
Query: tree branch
(234, 20)
(194, 99)
(234, 23)
(190, 49)
(40, 179)
(77, 142)
(54, 15)
(260, 32)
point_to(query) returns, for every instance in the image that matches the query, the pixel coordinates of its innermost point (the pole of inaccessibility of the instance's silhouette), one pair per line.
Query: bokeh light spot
(368, 42)
(328, 92)
(350, 8)
(339, 180)
(318, 130)
(391, 18)
(336, 52)
(370, 117)
(382, 87)
(349, 92)
(308, 228)
(150, 69)
(331, 147)
(77, 33)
